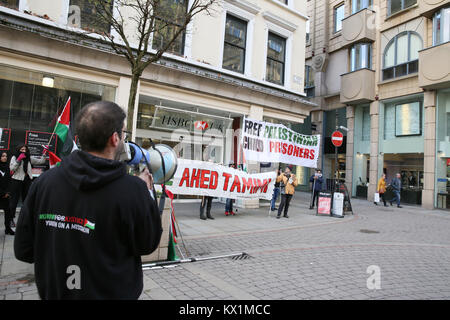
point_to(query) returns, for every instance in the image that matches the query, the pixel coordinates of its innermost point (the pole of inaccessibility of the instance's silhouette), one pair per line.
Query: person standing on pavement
(317, 182)
(397, 187)
(381, 188)
(229, 202)
(276, 192)
(5, 182)
(86, 224)
(288, 182)
(21, 176)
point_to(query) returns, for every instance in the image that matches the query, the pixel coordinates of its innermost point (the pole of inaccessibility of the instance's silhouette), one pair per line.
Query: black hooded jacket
(85, 226)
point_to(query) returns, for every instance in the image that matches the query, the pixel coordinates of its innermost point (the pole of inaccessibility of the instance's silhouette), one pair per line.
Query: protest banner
(269, 142)
(201, 178)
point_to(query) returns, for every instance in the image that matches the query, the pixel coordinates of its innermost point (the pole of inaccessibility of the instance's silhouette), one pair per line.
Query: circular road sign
(337, 138)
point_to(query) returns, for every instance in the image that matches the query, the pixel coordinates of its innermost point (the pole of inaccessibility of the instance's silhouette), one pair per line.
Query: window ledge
(399, 78)
(336, 34)
(401, 11)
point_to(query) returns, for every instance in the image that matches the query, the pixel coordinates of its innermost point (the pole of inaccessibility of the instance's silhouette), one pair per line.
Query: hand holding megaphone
(147, 177)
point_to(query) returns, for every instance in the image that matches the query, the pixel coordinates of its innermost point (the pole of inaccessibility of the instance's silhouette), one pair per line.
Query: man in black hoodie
(86, 223)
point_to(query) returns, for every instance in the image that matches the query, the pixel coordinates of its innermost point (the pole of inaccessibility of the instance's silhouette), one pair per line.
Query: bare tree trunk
(132, 100)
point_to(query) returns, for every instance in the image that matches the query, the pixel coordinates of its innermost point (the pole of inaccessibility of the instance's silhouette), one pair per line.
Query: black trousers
(206, 202)
(4, 205)
(315, 198)
(19, 189)
(285, 200)
(382, 196)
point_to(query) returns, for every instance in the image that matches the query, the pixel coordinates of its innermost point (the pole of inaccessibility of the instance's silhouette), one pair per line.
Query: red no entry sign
(337, 138)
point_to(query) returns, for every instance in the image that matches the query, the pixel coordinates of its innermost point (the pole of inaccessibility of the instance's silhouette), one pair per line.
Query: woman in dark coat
(5, 181)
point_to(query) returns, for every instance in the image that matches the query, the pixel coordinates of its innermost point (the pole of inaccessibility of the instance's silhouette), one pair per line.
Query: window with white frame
(234, 44)
(13, 4)
(361, 56)
(86, 15)
(358, 5)
(395, 6)
(401, 55)
(170, 18)
(276, 56)
(441, 26)
(339, 13)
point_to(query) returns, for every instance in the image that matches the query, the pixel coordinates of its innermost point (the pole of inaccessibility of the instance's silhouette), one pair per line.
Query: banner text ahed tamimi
(201, 178)
(270, 142)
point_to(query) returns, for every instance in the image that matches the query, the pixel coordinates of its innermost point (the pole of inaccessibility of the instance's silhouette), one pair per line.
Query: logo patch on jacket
(67, 223)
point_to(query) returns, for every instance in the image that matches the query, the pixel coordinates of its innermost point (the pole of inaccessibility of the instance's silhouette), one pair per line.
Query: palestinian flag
(53, 159)
(63, 123)
(89, 224)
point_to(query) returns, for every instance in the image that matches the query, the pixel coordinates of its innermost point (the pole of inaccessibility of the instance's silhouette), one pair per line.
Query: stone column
(429, 160)
(350, 148)
(374, 154)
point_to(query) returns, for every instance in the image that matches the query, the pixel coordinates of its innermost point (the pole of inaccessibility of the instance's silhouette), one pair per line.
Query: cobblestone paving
(303, 257)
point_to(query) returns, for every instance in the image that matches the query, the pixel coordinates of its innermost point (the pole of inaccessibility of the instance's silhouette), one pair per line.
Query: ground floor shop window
(442, 190)
(29, 102)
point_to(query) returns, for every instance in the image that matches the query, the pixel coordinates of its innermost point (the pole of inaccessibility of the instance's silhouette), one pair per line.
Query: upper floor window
(309, 81)
(401, 55)
(284, 1)
(234, 46)
(441, 26)
(170, 17)
(339, 13)
(13, 4)
(358, 5)
(276, 55)
(84, 14)
(361, 56)
(395, 6)
(308, 24)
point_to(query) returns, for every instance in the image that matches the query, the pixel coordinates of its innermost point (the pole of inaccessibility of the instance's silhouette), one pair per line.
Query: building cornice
(52, 31)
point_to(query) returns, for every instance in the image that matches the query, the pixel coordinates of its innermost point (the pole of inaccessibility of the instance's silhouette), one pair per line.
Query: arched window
(401, 56)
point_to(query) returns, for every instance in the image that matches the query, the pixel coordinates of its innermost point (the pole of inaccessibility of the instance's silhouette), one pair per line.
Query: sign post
(337, 139)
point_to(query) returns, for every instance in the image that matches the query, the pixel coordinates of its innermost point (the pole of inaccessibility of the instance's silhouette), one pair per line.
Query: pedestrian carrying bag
(377, 197)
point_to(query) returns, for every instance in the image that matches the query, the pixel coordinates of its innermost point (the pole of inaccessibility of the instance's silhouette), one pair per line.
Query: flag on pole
(53, 159)
(63, 123)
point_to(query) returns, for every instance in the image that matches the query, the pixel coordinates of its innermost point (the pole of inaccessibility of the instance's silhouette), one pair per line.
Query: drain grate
(368, 231)
(243, 256)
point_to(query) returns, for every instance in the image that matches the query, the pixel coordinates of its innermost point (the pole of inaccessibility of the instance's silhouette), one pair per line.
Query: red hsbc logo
(201, 125)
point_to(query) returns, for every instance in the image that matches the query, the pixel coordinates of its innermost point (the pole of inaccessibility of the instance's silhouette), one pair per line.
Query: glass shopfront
(32, 101)
(442, 189)
(401, 135)
(194, 132)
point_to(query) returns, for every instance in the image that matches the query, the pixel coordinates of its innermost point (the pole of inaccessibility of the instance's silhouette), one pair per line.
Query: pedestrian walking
(288, 182)
(381, 189)
(5, 182)
(317, 183)
(86, 224)
(396, 184)
(276, 192)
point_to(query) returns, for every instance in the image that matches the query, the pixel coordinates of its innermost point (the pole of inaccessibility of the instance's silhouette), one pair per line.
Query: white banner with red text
(202, 178)
(269, 142)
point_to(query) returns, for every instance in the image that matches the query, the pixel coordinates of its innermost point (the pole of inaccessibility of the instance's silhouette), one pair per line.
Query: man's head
(100, 127)
(398, 175)
(287, 170)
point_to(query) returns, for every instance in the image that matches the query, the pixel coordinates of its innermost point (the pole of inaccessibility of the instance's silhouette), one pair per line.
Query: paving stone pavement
(300, 258)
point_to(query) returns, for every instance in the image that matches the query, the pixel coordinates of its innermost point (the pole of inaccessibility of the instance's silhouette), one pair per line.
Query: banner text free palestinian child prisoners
(270, 142)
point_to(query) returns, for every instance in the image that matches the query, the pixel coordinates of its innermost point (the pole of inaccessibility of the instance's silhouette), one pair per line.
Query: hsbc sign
(169, 119)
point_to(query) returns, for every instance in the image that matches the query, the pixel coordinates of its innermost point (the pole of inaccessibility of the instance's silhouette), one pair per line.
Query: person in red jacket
(86, 224)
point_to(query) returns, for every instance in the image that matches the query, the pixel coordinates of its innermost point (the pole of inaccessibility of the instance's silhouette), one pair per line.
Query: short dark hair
(96, 122)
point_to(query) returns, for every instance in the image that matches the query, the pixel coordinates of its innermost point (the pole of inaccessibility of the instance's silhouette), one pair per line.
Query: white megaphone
(161, 160)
